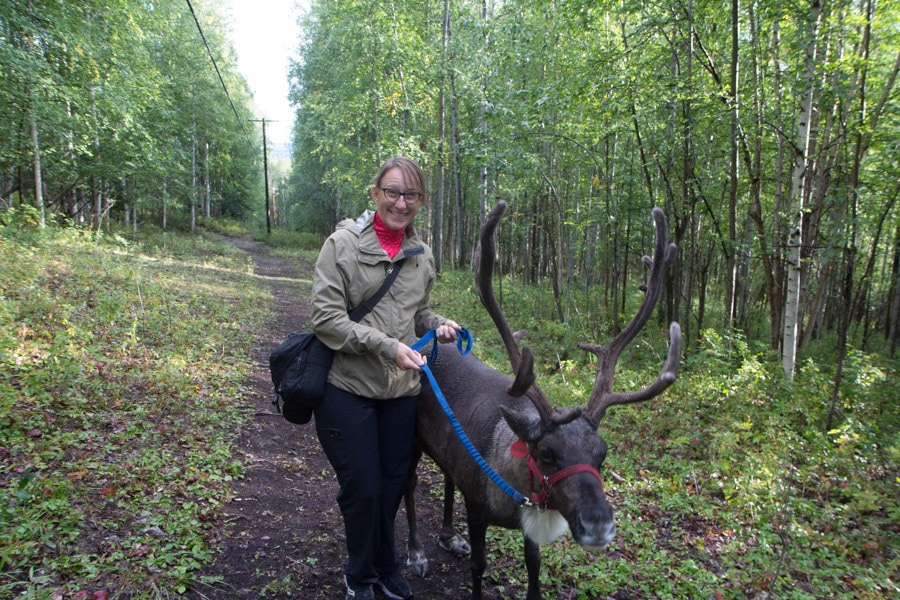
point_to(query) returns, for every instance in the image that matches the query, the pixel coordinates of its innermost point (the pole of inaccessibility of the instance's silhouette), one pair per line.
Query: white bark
(194, 178)
(38, 181)
(206, 184)
(165, 205)
(798, 191)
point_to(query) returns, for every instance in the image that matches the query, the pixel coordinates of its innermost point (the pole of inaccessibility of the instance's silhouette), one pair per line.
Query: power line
(222, 81)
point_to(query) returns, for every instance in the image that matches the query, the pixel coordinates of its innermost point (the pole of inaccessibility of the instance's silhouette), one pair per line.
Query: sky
(265, 36)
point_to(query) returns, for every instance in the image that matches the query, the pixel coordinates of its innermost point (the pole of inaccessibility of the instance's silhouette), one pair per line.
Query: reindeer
(552, 454)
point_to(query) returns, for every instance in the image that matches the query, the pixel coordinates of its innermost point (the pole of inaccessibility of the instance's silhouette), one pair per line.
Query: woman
(367, 419)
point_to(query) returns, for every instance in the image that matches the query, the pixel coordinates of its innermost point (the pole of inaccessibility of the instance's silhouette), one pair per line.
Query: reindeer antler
(602, 396)
(522, 361)
(485, 255)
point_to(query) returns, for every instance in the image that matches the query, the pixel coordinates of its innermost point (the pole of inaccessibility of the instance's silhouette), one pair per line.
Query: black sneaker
(395, 587)
(359, 592)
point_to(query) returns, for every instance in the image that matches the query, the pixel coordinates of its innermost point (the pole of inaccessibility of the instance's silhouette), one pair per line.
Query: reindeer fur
(496, 410)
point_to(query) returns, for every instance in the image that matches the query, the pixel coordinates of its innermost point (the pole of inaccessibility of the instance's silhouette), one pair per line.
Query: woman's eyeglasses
(414, 198)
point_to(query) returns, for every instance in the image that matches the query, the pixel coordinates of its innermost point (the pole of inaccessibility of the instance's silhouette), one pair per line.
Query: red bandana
(390, 239)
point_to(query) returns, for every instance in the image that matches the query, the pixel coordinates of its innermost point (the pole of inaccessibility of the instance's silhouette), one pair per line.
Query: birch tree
(799, 178)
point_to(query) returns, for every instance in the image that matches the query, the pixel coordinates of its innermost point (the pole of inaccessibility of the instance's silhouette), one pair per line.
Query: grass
(122, 367)
(122, 370)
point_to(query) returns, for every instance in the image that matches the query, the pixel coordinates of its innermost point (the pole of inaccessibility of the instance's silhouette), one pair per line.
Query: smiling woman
(396, 209)
(367, 419)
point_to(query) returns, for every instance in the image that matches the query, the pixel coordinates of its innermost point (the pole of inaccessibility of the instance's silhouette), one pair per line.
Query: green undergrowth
(729, 485)
(122, 366)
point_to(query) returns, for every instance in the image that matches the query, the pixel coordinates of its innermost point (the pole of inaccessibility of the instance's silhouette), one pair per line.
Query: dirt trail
(284, 534)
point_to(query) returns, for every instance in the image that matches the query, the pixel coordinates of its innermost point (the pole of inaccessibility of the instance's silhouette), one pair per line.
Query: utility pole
(266, 172)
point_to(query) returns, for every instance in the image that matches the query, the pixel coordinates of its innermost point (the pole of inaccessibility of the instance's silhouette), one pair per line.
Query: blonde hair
(411, 171)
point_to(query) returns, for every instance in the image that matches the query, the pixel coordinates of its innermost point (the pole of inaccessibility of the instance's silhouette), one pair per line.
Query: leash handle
(464, 345)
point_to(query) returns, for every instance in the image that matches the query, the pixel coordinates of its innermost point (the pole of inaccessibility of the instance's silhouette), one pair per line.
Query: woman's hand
(407, 358)
(446, 333)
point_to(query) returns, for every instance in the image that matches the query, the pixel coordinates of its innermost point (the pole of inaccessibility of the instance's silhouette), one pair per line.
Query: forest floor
(284, 534)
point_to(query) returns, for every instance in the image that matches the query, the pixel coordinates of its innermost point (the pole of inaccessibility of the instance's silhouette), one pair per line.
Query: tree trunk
(206, 185)
(704, 279)
(165, 204)
(679, 278)
(483, 171)
(742, 290)
(731, 247)
(799, 176)
(32, 48)
(194, 178)
(893, 328)
(98, 203)
(847, 299)
(438, 214)
(38, 182)
(457, 173)
(645, 163)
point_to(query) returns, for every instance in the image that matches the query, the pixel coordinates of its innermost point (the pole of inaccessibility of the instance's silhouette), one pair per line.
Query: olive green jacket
(351, 267)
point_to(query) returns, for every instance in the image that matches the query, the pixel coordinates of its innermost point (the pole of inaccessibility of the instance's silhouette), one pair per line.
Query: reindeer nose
(594, 535)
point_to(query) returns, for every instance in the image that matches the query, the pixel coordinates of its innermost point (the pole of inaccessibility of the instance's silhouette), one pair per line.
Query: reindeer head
(564, 450)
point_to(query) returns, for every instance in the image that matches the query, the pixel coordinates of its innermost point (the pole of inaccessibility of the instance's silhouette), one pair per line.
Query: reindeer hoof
(456, 544)
(417, 563)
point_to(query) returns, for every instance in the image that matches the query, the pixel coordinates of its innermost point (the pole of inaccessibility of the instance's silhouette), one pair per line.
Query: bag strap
(366, 307)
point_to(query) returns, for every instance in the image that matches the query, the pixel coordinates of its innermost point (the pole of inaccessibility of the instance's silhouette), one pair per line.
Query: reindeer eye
(547, 455)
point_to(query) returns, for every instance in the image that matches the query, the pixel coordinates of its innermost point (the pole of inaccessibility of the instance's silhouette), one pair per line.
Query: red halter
(540, 483)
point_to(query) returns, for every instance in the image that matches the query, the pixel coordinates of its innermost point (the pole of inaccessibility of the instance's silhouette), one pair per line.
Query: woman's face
(396, 214)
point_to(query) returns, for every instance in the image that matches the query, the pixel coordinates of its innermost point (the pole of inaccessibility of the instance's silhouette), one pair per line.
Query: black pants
(369, 444)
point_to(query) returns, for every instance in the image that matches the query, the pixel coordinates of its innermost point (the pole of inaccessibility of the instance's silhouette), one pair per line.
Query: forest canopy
(115, 109)
(768, 133)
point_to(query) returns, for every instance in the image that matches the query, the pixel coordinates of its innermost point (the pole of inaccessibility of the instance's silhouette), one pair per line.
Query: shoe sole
(355, 595)
(392, 595)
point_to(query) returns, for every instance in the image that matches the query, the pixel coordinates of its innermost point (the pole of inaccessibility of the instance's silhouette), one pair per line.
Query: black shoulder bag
(299, 365)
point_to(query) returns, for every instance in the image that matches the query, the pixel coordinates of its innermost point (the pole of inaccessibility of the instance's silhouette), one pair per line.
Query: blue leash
(464, 345)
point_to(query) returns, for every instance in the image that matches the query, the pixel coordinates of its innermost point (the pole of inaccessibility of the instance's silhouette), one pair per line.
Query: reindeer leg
(449, 539)
(533, 566)
(477, 535)
(415, 553)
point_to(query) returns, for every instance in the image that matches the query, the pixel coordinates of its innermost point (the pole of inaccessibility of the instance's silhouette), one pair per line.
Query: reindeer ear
(525, 376)
(525, 424)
